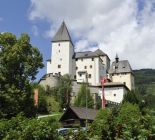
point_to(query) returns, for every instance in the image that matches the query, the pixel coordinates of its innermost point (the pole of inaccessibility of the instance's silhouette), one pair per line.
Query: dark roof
(62, 34)
(122, 66)
(85, 54)
(90, 54)
(100, 52)
(81, 113)
(115, 84)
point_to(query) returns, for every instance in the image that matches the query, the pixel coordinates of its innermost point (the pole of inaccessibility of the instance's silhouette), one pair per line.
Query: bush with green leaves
(29, 129)
(47, 103)
(103, 125)
(126, 122)
(130, 123)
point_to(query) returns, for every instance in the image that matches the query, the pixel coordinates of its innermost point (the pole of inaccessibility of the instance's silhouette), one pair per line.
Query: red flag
(36, 97)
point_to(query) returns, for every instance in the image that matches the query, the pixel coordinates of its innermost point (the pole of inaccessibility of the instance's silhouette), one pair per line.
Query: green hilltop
(145, 78)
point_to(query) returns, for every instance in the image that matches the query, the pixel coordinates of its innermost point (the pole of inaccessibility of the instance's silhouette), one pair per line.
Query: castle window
(59, 51)
(60, 59)
(59, 44)
(59, 73)
(85, 67)
(59, 66)
(76, 68)
(76, 59)
(80, 75)
(74, 76)
(92, 59)
(90, 66)
(124, 83)
(89, 75)
(114, 94)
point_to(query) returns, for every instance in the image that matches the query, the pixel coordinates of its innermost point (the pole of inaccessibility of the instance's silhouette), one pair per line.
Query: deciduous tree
(19, 64)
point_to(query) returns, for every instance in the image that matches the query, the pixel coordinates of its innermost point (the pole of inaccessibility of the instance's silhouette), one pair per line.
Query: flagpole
(103, 80)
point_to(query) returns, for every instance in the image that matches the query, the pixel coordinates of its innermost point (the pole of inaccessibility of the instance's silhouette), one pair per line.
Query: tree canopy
(19, 64)
(80, 100)
(64, 89)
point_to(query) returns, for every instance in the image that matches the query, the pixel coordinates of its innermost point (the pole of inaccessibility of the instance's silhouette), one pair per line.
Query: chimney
(117, 58)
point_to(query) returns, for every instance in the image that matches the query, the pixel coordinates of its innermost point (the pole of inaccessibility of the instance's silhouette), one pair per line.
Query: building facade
(121, 71)
(88, 66)
(81, 66)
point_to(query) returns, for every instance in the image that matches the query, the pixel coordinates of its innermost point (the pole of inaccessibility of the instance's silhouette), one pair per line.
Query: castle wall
(114, 94)
(49, 80)
(61, 59)
(126, 78)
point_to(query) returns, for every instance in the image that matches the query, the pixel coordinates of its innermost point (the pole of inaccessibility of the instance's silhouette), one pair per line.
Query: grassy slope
(146, 77)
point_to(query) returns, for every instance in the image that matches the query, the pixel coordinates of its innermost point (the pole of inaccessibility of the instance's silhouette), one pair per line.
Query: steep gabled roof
(80, 112)
(62, 34)
(122, 66)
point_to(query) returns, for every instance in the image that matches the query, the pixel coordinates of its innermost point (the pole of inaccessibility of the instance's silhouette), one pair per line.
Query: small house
(77, 116)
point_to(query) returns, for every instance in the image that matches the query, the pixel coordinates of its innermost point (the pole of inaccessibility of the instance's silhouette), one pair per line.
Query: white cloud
(117, 26)
(35, 30)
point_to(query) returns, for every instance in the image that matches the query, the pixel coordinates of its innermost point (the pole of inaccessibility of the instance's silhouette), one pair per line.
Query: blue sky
(14, 18)
(126, 27)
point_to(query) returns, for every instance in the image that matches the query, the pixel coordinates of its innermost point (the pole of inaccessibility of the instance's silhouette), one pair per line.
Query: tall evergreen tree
(64, 90)
(80, 100)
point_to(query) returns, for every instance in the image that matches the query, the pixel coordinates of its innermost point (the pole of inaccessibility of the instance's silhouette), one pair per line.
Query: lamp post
(86, 99)
(86, 82)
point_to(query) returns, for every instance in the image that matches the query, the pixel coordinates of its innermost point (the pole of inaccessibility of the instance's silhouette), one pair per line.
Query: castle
(88, 66)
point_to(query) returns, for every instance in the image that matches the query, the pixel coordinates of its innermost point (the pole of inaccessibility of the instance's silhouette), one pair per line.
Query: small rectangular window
(74, 76)
(59, 73)
(85, 67)
(89, 75)
(80, 75)
(92, 59)
(76, 59)
(76, 68)
(59, 66)
(90, 66)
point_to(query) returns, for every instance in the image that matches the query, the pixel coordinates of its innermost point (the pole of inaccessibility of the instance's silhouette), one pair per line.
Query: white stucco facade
(61, 58)
(88, 67)
(114, 94)
(126, 78)
(92, 67)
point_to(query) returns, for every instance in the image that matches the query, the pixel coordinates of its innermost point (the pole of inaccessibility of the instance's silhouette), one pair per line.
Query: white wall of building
(114, 94)
(91, 66)
(126, 78)
(49, 66)
(61, 58)
(106, 62)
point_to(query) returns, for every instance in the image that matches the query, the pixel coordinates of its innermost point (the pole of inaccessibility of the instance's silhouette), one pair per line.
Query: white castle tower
(62, 53)
(121, 71)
